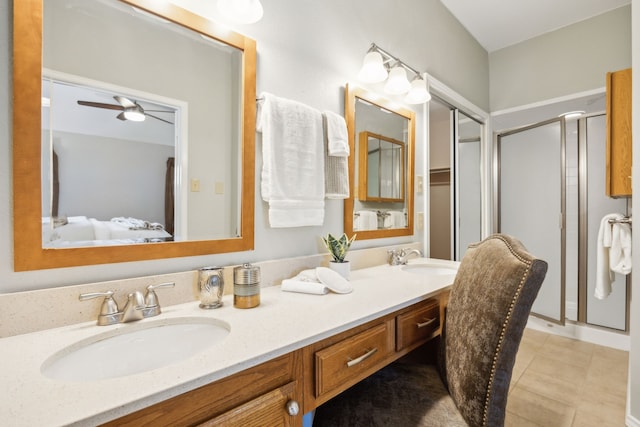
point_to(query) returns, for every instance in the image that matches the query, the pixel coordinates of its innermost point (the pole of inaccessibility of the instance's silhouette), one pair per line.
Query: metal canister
(246, 286)
(210, 287)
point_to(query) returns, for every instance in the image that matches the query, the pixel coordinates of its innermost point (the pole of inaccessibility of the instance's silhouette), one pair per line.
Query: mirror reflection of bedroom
(108, 167)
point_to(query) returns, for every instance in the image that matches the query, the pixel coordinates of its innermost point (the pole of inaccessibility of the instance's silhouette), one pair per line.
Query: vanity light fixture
(379, 65)
(241, 11)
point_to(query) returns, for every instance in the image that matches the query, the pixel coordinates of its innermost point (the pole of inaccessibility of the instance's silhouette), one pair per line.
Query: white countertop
(283, 322)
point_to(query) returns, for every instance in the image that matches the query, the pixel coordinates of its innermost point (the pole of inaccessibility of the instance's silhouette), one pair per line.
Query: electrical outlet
(420, 221)
(219, 187)
(195, 185)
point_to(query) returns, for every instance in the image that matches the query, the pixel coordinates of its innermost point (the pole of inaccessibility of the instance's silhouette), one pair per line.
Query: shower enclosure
(549, 188)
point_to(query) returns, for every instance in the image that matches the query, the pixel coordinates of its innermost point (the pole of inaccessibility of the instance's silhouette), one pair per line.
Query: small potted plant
(338, 249)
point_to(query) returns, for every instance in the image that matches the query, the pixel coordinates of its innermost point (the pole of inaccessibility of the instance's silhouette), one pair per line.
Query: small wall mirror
(381, 174)
(141, 117)
(381, 163)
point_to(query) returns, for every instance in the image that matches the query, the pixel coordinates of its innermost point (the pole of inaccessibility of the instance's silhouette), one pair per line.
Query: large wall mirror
(381, 173)
(134, 128)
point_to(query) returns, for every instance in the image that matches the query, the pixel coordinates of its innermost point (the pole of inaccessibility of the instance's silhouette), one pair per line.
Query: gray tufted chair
(490, 301)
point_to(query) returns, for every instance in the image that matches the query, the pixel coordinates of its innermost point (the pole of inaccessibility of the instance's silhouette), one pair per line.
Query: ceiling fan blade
(157, 118)
(121, 116)
(101, 105)
(125, 102)
(160, 111)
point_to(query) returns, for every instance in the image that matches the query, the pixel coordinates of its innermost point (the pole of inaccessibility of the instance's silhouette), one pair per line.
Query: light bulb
(134, 114)
(418, 94)
(397, 83)
(372, 70)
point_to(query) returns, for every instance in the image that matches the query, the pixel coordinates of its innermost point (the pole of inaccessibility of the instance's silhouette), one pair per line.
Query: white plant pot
(342, 268)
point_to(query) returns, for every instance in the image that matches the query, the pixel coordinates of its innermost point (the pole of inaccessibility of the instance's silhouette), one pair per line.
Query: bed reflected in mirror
(164, 167)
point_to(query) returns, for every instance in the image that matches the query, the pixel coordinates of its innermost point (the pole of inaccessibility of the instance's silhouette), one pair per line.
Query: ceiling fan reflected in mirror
(129, 110)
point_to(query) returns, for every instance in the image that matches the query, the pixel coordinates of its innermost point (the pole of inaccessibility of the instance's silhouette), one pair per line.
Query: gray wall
(570, 60)
(307, 51)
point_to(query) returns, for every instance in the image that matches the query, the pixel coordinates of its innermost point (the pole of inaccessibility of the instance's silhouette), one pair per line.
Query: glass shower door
(531, 203)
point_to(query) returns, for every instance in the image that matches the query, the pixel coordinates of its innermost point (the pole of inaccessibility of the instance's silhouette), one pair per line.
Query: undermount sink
(430, 269)
(135, 348)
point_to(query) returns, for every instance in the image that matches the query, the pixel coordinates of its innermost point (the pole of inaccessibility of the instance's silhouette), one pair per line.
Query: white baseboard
(631, 421)
(620, 341)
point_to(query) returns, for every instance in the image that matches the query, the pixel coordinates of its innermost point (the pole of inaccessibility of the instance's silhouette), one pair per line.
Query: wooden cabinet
(262, 394)
(338, 362)
(417, 325)
(281, 390)
(619, 159)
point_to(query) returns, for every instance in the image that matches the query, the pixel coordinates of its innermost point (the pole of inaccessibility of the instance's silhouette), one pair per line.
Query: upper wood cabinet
(619, 134)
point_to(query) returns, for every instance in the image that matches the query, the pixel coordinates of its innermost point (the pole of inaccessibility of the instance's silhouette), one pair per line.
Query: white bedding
(83, 231)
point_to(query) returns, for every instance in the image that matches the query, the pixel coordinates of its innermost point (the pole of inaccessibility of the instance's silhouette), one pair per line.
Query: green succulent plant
(338, 248)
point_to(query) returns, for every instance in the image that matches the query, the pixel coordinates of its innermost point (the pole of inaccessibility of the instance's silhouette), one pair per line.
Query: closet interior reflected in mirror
(142, 118)
(381, 174)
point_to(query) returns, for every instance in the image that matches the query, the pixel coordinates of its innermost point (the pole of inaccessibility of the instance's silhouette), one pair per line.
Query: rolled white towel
(315, 288)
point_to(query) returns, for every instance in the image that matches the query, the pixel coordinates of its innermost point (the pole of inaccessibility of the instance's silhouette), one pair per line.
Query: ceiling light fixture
(135, 114)
(241, 11)
(379, 65)
(572, 114)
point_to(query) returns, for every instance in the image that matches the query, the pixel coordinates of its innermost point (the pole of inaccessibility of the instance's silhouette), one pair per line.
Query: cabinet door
(270, 409)
(619, 133)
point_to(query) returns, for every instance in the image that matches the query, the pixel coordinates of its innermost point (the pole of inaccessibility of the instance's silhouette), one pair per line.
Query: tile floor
(561, 382)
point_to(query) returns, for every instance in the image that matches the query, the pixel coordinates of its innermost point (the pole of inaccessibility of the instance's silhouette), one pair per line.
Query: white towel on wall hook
(620, 252)
(604, 274)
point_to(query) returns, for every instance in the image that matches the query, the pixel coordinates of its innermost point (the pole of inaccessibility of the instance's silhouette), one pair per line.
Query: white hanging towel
(365, 220)
(604, 274)
(292, 162)
(337, 134)
(394, 219)
(620, 252)
(336, 162)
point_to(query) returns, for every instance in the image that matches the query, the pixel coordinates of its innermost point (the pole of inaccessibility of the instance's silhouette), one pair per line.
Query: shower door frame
(563, 201)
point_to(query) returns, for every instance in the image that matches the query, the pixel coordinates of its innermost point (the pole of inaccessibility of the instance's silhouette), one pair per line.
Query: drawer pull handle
(428, 322)
(293, 408)
(368, 354)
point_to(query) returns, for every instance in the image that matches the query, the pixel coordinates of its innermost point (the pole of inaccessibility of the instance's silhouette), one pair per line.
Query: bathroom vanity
(278, 361)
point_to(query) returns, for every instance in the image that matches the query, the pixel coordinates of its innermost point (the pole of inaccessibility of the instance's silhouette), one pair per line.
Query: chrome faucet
(133, 310)
(400, 256)
(137, 307)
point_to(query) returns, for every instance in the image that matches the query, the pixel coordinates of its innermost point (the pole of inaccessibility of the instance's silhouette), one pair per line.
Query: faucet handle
(109, 305)
(152, 306)
(109, 312)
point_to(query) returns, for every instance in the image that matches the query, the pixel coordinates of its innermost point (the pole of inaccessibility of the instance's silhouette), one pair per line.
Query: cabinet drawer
(351, 358)
(417, 325)
(270, 409)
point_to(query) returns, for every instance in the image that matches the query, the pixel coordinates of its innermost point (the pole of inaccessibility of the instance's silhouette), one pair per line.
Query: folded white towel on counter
(620, 252)
(604, 275)
(337, 135)
(336, 167)
(305, 287)
(292, 162)
(365, 220)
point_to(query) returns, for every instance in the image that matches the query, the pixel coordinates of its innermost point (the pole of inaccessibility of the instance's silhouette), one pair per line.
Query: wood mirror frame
(27, 205)
(351, 95)
(364, 169)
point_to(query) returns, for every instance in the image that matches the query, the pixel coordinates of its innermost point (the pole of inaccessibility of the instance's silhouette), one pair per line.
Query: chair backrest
(490, 301)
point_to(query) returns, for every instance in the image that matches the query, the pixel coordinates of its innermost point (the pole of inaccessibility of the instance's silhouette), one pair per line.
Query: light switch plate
(195, 185)
(419, 184)
(420, 221)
